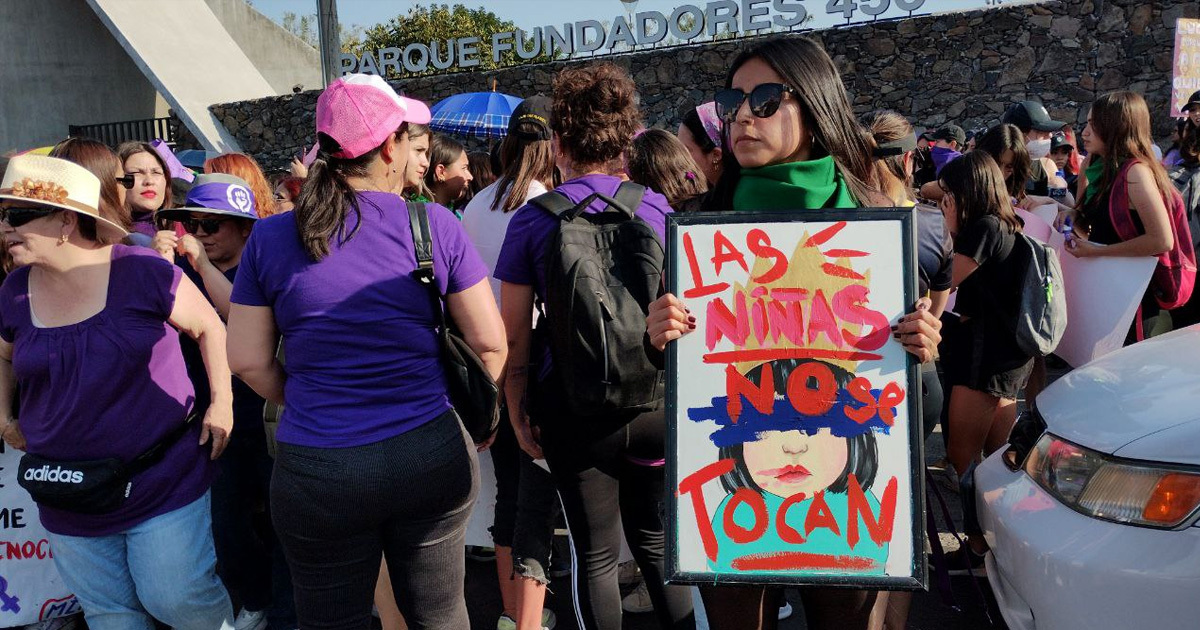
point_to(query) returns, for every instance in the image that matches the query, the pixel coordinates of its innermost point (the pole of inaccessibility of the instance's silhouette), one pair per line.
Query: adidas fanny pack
(97, 486)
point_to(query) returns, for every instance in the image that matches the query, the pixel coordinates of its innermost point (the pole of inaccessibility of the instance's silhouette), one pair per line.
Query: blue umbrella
(482, 114)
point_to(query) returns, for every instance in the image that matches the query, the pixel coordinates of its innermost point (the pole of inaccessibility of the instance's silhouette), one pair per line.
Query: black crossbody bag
(97, 486)
(473, 391)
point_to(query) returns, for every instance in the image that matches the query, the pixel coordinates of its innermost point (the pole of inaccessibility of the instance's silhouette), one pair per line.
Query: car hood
(1144, 390)
(1176, 445)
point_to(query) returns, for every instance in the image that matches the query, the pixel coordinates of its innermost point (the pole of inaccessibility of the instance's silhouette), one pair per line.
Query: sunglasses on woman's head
(17, 216)
(210, 226)
(126, 181)
(764, 100)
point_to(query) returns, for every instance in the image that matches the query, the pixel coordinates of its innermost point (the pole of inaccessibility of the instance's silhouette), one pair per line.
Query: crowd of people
(148, 321)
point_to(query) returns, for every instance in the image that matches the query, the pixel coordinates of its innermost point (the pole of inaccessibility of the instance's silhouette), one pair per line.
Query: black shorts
(982, 354)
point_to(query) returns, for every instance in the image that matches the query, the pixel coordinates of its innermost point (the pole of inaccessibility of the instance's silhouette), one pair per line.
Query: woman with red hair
(244, 166)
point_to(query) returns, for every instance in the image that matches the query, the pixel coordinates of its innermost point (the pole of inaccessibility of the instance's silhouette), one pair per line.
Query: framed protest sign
(795, 451)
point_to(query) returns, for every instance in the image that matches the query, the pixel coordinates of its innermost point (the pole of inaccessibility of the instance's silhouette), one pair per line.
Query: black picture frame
(919, 578)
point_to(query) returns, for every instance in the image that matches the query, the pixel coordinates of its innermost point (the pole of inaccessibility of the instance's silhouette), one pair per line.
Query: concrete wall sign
(686, 24)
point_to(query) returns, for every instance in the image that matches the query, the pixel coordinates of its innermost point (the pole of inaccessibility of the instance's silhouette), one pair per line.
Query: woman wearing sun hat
(371, 458)
(88, 330)
(218, 216)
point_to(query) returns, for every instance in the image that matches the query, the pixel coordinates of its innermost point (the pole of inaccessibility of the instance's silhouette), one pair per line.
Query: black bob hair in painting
(863, 454)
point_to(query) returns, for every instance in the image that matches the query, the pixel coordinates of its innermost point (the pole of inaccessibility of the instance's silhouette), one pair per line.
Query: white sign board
(794, 448)
(30, 588)
(1097, 320)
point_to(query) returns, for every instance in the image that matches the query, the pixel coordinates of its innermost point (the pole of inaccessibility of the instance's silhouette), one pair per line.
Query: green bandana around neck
(812, 184)
(1094, 172)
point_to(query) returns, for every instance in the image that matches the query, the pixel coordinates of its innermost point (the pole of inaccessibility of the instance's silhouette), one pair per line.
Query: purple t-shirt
(523, 256)
(358, 330)
(112, 385)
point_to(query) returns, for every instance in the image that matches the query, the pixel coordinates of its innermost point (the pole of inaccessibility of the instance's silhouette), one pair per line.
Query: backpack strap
(553, 202)
(155, 453)
(418, 220)
(626, 200)
(629, 197)
(1119, 211)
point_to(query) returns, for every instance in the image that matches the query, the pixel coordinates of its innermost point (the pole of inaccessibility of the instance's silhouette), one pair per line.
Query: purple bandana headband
(710, 121)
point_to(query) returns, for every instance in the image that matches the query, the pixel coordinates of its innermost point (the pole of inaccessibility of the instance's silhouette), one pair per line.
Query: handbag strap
(156, 452)
(418, 220)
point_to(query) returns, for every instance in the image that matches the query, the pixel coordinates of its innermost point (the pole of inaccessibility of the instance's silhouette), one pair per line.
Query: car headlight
(1114, 489)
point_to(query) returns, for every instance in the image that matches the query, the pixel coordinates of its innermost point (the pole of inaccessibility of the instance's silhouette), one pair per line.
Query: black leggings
(605, 493)
(337, 510)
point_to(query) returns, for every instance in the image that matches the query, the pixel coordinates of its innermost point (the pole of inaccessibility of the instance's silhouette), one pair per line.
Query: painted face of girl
(149, 182)
(785, 463)
(777, 139)
(418, 161)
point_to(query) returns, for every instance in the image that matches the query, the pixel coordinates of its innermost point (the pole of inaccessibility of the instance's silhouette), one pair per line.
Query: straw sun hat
(55, 183)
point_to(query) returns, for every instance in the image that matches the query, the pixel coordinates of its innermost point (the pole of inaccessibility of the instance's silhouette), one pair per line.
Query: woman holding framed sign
(795, 143)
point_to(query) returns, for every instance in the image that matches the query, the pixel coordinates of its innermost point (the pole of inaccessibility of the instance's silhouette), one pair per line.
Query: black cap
(535, 110)
(1194, 99)
(951, 132)
(1058, 141)
(1028, 115)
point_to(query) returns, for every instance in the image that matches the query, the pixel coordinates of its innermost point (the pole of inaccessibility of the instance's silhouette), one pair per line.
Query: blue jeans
(163, 568)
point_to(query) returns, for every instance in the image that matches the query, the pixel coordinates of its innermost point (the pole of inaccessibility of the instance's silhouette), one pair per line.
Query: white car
(1091, 513)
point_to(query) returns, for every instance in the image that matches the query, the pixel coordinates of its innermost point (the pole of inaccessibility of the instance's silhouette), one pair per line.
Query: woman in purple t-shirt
(608, 469)
(89, 333)
(371, 458)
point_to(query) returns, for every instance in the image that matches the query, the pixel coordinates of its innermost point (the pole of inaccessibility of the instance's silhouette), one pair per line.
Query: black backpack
(602, 271)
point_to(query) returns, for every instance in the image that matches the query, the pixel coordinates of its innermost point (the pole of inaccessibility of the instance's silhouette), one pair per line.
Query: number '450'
(870, 7)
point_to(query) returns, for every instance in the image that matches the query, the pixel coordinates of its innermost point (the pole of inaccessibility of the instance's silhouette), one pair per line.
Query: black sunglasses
(16, 217)
(126, 181)
(210, 226)
(764, 100)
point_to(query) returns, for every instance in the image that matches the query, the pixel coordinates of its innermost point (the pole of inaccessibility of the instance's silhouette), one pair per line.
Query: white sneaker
(628, 573)
(638, 601)
(250, 620)
(785, 610)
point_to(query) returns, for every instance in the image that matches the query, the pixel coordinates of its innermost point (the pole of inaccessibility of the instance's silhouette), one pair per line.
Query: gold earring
(62, 240)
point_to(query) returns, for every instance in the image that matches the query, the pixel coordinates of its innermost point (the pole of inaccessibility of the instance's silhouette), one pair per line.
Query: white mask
(1038, 149)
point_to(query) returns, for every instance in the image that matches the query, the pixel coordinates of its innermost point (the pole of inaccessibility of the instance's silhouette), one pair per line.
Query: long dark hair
(977, 185)
(1003, 138)
(327, 198)
(660, 162)
(524, 160)
(807, 69)
(862, 452)
(1122, 121)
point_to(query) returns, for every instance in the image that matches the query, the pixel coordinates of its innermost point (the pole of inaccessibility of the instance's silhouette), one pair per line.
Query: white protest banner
(1185, 75)
(1103, 294)
(794, 446)
(30, 588)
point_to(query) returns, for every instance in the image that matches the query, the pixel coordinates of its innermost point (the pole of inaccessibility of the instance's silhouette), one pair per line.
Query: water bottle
(1057, 192)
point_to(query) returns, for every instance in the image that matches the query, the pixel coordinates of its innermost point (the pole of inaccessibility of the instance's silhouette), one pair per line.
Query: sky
(525, 13)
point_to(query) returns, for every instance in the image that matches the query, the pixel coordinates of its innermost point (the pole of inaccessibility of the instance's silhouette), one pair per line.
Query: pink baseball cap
(360, 111)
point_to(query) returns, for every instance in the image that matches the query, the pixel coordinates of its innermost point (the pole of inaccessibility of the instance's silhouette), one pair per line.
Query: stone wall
(963, 68)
